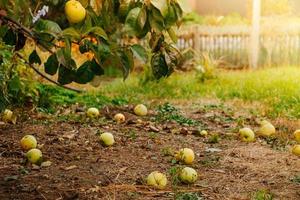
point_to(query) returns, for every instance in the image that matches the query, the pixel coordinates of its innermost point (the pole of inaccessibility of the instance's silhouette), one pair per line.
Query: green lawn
(277, 89)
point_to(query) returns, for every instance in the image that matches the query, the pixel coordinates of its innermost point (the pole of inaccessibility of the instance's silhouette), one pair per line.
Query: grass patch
(167, 112)
(275, 89)
(262, 195)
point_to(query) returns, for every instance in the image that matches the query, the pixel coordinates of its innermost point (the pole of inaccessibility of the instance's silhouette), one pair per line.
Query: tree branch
(45, 77)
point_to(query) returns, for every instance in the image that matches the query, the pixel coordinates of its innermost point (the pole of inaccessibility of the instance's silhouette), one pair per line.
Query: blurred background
(223, 31)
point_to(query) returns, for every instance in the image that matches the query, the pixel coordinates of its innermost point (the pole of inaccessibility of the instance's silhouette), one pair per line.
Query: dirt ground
(83, 169)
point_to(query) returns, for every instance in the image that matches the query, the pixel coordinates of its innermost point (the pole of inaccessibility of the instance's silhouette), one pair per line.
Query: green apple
(107, 139)
(188, 175)
(157, 180)
(28, 142)
(247, 135)
(34, 156)
(185, 155)
(140, 110)
(93, 113)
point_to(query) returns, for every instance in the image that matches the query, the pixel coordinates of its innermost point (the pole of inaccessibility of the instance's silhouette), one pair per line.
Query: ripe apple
(140, 110)
(8, 116)
(185, 155)
(28, 142)
(247, 135)
(107, 139)
(297, 135)
(34, 156)
(296, 150)
(157, 180)
(203, 133)
(119, 118)
(266, 129)
(75, 12)
(188, 175)
(93, 113)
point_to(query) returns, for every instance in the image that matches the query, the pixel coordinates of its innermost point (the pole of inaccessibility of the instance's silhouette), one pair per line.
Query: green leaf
(173, 35)
(47, 26)
(131, 26)
(156, 20)
(64, 55)
(97, 31)
(127, 61)
(51, 65)
(96, 68)
(10, 37)
(161, 5)
(87, 71)
(142, 18)
(84, 73)
(34, 58)
(159, 66)
(171, 18)
(3, 30)
(140, 52)
(65, 75)
(70, 33)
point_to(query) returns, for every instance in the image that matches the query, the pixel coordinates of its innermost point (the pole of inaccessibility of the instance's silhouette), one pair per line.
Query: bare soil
(84, 169)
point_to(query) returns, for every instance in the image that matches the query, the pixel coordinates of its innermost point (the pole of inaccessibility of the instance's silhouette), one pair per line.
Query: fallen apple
(247, 135)
(75, 12)
(28, 142)
(296, 150)
(203, 133)
(93, 113)
(107, 139)
(157, 180)
(185, 155)
(140, 110)
(297, 135)
(34, 156)
(266, 129)
(119, 118)
(8, 116)
(188, 175)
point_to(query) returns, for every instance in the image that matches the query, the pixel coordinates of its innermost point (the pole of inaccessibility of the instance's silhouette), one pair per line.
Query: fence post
(255, 32)
(196, 38)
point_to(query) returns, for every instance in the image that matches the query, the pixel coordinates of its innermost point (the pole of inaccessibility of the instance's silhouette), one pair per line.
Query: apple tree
(106, 30)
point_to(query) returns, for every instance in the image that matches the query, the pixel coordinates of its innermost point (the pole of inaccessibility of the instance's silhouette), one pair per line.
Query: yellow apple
(8, 116)
(266, 129)
(34, 156)
(185, 155)
(107, 139)
(297, 135)
(119, 118)
(203, 133)
(28, 142)
(157, 180)
(141, 110)
(75, 12)
(188, 175)
(296, 150)
(247, 135)
(93, 113)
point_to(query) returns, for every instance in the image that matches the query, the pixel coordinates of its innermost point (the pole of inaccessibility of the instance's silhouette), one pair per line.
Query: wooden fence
(231, 44)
